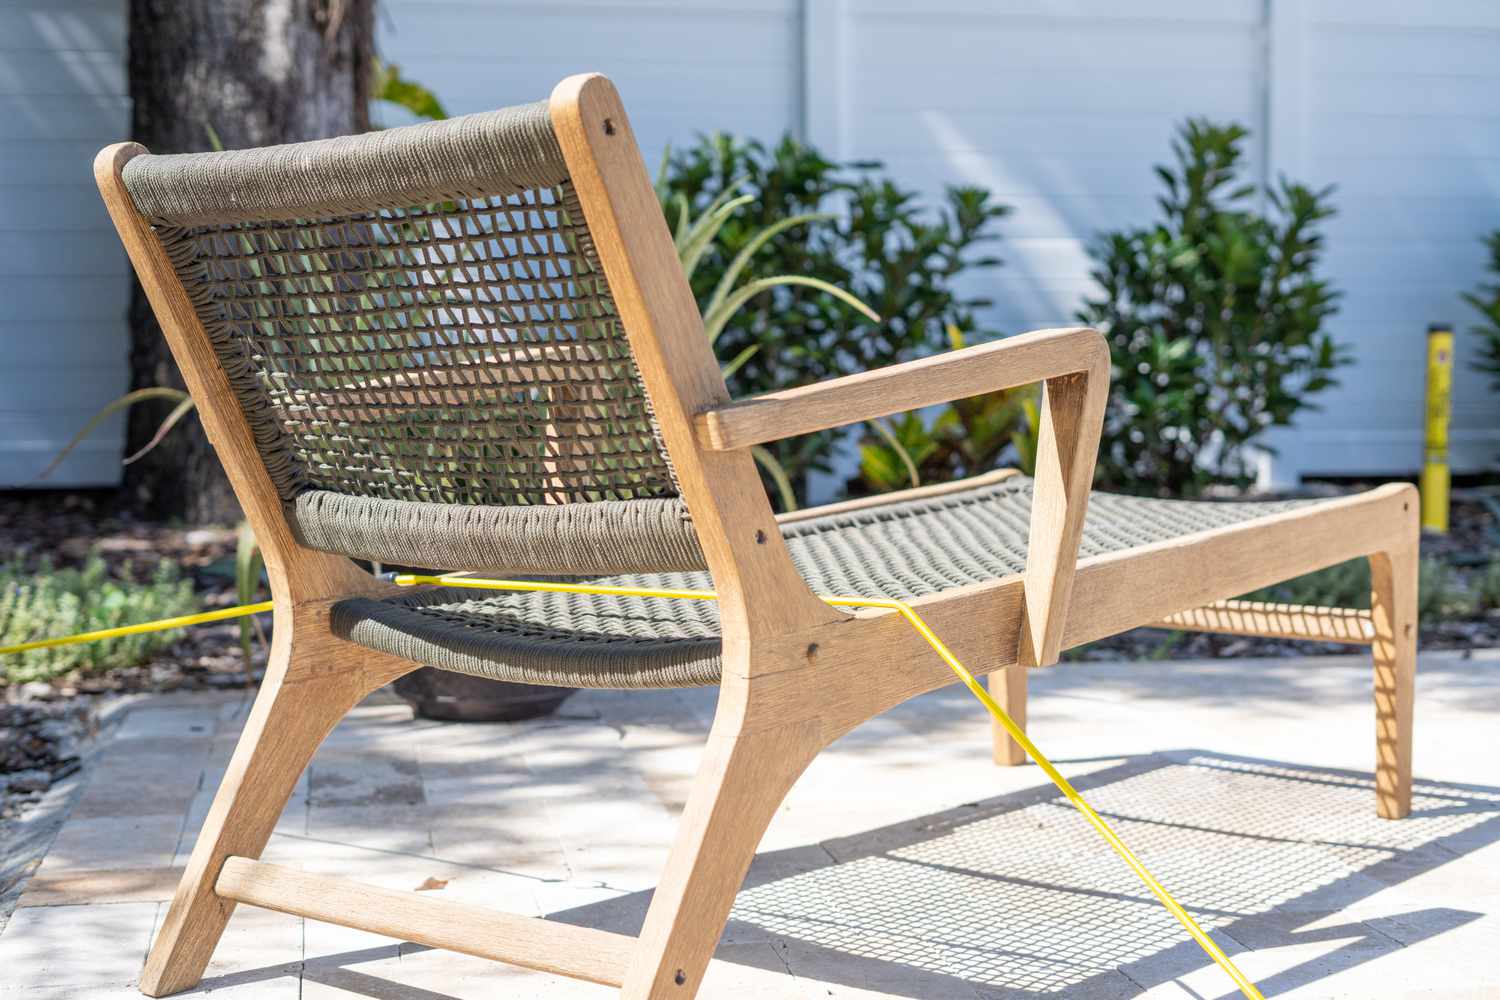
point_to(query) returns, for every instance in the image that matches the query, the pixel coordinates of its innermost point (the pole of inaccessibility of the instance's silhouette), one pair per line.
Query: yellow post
(1435, 475)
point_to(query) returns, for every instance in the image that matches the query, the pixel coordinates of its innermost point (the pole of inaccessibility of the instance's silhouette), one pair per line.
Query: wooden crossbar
(533, 943)
(1277, 621)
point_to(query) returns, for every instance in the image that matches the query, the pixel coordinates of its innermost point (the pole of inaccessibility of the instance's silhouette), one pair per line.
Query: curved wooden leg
(1008, 687)
(1393, 604)
(300, 701)
(740, 785)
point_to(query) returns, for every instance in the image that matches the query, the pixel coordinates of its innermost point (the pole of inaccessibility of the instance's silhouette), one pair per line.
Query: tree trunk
(251, 73)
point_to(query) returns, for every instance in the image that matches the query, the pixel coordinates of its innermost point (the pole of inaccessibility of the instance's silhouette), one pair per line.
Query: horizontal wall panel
(1403, 49)
(68, 73)
(59, 26)
(26, 118)
(64, 279)
(682, 68)
(81, 255)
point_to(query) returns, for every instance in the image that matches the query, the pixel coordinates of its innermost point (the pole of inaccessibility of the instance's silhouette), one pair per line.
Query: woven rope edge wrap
(488, 153)
(605, 536)
(559, 659)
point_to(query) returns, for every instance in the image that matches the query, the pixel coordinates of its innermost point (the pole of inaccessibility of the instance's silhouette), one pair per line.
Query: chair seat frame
(797, 673)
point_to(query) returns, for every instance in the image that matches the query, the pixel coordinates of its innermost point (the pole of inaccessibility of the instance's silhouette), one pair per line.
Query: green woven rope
(416, 319)
(900, 550)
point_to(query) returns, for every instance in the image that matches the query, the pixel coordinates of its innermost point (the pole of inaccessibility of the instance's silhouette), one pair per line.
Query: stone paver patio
(902, 865)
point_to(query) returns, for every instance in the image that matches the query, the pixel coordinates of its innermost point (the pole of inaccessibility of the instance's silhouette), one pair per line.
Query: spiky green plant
(694, 236)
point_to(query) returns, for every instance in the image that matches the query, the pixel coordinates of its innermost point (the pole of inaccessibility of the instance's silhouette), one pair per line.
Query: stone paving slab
(903, 864)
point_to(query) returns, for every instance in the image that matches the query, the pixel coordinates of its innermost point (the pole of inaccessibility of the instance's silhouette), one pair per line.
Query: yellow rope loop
(970, 681)
(161, 625)
(900, 607)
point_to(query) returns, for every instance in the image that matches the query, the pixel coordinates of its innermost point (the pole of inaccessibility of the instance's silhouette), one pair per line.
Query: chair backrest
(419, 332)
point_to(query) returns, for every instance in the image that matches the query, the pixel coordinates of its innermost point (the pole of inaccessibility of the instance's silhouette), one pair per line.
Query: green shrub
(882, 244)
(44, 603)
(1487, 301)
(1214, 317)
(1441, 593)
(1346, 585)
(1489, 585)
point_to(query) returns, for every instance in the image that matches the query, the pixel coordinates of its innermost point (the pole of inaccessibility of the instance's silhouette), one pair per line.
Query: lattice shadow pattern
(1023, 898)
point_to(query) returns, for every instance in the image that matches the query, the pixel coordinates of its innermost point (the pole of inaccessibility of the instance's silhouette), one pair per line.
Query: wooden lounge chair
(469, 345)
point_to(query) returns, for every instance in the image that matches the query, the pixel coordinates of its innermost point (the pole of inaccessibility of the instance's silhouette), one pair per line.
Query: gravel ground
(42, 750)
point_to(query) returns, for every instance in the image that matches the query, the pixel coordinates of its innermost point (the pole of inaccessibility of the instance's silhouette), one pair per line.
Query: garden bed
(68, 527)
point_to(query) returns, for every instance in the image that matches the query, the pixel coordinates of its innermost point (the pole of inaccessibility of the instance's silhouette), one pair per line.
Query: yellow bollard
(1435, 474)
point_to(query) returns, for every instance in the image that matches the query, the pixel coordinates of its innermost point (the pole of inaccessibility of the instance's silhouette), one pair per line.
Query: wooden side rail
(1276, 621)
(578, 952)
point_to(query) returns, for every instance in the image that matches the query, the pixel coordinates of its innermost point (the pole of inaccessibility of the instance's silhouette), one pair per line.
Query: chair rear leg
(740, 784)
(1393, 603)
(295, 709)
(1008, 687)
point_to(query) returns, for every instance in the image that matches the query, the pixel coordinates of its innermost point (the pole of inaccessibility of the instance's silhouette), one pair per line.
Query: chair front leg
(1393, 603)
(304, 695)
(1008, 687)
(740, 784)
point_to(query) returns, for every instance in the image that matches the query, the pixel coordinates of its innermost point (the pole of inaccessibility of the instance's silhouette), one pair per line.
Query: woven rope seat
(904, 549)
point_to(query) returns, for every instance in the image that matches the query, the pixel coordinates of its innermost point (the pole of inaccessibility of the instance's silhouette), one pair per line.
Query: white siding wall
(1060, 107)
(684, 66)
(63, 284)
(1399, 105)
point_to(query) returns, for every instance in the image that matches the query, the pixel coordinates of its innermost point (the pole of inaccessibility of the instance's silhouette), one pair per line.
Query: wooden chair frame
(797, 673)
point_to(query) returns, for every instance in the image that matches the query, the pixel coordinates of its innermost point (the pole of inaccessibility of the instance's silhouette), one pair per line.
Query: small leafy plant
(41, 602)
(1215, 321)
(1487, 301)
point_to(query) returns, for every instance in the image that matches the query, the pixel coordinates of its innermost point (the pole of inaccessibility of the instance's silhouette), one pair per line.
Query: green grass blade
(701, 237)
(114, 406)
(739, 360)
(714, 322)
(742, 259)
(894, 443)
(179, 411)
(778, 475)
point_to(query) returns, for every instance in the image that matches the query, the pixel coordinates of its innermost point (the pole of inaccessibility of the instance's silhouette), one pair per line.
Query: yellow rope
(970, 681)
(223, 614)
(900, 607)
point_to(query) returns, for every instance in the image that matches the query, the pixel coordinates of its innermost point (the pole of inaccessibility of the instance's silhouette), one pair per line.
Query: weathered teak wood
(797, 673)
(1073, 366)
(311, 680)
(1393, 602)
(580, 952)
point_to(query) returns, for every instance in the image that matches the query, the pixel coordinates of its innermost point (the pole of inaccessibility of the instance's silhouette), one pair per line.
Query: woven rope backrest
(421, 337)
(413, 315)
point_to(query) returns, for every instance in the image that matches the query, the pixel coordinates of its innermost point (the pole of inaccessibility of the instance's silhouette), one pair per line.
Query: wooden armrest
(1003, 364)
(1072, 364)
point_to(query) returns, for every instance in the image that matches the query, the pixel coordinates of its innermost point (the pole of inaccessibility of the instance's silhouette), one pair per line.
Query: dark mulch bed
(67, 525)
(39, 745)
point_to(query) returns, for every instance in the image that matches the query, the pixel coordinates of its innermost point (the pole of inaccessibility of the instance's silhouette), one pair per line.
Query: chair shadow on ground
(1016, 896)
